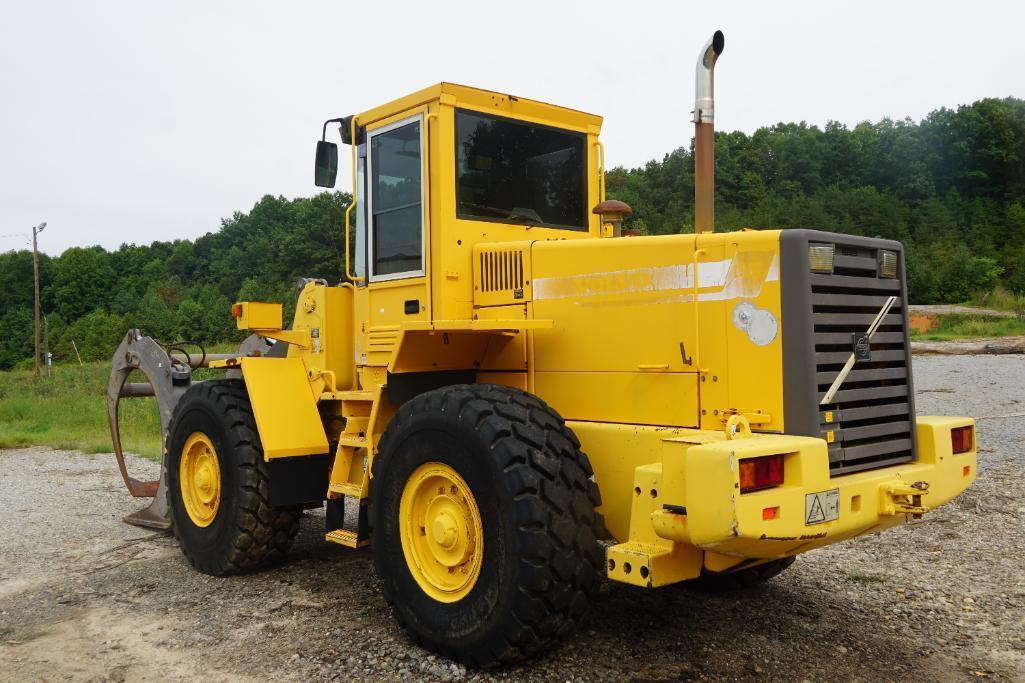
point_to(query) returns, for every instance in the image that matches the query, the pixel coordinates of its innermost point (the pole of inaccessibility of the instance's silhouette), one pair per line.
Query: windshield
(515, 172)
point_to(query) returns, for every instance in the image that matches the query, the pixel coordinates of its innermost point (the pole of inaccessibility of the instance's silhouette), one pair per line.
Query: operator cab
(446, 168)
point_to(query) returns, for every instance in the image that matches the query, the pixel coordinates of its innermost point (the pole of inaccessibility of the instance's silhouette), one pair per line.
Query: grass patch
(69, 411)
(999, 299)
(865, 578)
(957, 326)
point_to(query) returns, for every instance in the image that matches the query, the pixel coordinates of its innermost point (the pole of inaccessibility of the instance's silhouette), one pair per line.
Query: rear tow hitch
(899, 498)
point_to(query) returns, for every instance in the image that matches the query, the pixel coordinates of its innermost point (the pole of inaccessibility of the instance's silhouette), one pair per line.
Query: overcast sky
(138, 121)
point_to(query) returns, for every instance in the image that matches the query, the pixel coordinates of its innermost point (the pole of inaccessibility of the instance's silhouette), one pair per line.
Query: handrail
(427, 187)
(352, 204)
(697, 308)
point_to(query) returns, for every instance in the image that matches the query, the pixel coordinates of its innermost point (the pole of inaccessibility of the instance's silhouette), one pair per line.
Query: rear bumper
(713, 515)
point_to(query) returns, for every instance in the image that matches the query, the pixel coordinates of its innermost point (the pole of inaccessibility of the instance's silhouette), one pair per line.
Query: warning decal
(822, 507)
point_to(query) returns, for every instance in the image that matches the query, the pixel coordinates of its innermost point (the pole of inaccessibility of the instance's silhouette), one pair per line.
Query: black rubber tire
(741, 579)
(536, 495)
(247, 533)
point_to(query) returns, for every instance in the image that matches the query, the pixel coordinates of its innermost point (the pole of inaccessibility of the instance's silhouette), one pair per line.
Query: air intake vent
(501, 274)
(870, 422)
(501, 270)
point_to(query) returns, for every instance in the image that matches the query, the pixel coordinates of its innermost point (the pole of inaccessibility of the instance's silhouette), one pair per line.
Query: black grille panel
(870, 422)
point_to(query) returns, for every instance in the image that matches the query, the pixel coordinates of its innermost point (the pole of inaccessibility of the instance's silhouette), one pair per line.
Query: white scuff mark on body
(773, 274)
(735, 278)
(631, 281)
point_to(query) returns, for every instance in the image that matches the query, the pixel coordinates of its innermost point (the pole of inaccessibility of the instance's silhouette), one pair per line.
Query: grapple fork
(169, 375)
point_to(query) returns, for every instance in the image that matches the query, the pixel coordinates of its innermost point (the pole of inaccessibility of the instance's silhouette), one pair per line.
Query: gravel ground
(85, 597)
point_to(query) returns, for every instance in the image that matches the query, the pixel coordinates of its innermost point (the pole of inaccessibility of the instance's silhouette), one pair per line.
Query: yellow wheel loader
(508, 398)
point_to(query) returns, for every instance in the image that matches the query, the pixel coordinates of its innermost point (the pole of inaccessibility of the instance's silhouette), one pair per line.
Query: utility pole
(35, 271)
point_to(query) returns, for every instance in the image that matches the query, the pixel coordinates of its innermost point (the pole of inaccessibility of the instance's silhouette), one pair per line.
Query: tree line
(181, 289)
(951, 187)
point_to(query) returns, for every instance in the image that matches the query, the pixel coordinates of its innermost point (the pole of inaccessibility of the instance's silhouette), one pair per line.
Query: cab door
(396, 246)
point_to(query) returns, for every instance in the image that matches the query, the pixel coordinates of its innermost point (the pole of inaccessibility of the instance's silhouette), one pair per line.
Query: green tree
(16, 340)
(83, 282)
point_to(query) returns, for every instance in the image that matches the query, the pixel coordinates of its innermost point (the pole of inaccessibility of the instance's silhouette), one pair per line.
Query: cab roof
(487, 100)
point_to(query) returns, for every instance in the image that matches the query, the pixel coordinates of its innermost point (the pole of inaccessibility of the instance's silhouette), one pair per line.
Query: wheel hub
(200, 479)
(445, 531)
(442, 536)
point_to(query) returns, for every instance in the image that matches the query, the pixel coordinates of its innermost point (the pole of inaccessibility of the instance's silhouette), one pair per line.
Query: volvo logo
(862, 347)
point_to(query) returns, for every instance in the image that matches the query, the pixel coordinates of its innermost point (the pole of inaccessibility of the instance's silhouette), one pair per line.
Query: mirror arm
(323, 132)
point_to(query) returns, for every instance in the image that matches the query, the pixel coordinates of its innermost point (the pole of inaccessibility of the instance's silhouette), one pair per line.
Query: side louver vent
(501, 270)
(501, 274)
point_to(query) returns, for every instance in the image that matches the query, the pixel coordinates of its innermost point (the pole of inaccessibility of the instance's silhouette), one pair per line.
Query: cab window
(511, 171)
(396, 201)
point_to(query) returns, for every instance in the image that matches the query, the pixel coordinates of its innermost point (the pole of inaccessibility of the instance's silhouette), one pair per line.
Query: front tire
(218, 485)
(485, 533)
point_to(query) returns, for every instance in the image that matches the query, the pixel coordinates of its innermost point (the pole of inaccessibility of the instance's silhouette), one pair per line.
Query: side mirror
(326, 167)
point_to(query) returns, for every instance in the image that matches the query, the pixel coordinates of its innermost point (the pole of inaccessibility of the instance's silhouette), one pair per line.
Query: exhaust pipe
(704, 134)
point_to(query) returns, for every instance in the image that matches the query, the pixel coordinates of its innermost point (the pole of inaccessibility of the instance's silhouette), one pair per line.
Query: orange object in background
(923, 322)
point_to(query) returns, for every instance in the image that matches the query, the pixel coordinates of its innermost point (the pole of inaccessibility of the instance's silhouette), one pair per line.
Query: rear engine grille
(870, 422)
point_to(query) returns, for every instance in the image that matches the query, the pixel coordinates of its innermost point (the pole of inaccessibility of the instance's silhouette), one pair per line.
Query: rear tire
(241, 531)
(533, 505)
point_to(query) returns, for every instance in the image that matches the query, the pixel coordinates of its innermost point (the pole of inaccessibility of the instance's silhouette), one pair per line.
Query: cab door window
(396, 201)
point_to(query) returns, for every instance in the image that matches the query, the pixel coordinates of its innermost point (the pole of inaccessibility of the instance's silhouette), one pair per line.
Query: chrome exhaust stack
(704, 134)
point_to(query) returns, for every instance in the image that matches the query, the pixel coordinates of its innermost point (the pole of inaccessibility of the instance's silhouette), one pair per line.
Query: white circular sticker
(763, 327)
(759, 324)
(742, 315)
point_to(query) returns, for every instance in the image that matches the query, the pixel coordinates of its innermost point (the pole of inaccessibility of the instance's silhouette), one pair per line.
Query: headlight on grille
(820, 257)
(887, 263)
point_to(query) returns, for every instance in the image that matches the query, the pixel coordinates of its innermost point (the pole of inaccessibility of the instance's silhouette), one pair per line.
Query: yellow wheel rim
(199, 475)
(442, 537)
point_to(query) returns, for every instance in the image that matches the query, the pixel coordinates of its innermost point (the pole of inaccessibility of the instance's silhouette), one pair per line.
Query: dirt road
(85, 597)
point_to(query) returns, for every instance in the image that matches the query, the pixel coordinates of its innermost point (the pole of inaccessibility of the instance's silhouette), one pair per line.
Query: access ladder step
(347, 538)
(347, 489)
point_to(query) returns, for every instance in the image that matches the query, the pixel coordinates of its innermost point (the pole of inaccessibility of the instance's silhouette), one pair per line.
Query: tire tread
(554, 499)
(263, 533)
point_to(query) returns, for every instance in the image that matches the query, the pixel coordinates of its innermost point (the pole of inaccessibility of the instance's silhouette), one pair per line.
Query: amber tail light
(761, 473)
(962, 439)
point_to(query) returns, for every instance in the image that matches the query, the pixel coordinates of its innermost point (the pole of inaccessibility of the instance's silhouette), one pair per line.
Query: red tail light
(761, 473)
(961, 439)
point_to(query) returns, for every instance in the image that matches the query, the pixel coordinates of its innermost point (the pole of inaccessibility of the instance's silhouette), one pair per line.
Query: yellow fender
(285, 407)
